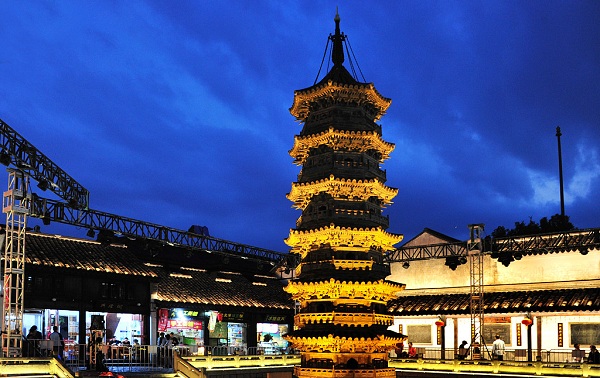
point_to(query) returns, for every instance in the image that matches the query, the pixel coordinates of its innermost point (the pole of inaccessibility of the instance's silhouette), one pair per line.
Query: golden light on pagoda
(341, 328)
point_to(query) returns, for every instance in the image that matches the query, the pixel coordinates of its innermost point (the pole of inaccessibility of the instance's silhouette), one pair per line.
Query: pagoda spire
(337, 39)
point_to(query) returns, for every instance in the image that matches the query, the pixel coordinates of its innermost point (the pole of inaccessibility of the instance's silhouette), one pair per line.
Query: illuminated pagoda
(341, 328)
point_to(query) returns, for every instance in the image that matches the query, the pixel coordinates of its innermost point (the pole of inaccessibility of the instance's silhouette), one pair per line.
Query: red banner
(163, 319)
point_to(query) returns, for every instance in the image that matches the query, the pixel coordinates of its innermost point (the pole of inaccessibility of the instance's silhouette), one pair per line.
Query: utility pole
(560, 173)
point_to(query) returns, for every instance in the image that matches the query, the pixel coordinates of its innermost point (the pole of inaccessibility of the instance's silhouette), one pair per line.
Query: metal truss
(15, 203)
(17, 150)
(426, 252)
(577, 240)
(476, 283)
(580, 240)
(56, 211)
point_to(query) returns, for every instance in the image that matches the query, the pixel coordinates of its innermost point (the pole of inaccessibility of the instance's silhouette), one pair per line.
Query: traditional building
(215, 302)
(541, 301)
(341, 236)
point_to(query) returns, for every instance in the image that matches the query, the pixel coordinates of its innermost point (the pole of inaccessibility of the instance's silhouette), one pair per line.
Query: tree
(557, 223)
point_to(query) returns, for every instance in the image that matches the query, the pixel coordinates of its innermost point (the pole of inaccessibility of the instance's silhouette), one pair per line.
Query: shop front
(270, 332)
(206, 332)
(187, 326)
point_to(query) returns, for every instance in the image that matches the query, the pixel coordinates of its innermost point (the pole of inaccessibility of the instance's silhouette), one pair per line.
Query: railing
(237, 361)
(494, 367)
(520, 355)
(546, 357)
(136, 358)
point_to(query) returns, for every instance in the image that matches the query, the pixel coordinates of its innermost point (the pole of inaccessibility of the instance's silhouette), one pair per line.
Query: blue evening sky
(176, 112)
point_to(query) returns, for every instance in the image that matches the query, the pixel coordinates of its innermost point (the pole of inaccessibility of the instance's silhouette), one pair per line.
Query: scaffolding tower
(16, 204)
(476, 283)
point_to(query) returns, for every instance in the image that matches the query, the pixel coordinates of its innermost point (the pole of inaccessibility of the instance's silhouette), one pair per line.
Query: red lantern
(440, 323)
(527, 321)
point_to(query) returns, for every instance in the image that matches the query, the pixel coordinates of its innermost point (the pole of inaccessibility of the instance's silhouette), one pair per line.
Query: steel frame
(476, 283)
(577, 240)
(16, 204)
(57, 211)
(35, 164)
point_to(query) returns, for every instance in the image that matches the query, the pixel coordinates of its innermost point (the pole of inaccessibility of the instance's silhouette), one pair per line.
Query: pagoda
(341, 328)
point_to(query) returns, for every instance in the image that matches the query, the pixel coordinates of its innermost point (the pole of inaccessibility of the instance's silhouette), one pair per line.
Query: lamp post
(528, 322)
(441, 324)
(560, 174)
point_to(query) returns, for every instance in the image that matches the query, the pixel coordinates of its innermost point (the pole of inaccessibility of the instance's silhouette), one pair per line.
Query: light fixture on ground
(406, 265)
(90, 233)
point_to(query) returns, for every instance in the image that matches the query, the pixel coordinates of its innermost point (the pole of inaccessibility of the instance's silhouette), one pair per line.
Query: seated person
(594, 355)
(126, 342)
(463, 350)
(412, 351)
(113, 341)
(577, 353)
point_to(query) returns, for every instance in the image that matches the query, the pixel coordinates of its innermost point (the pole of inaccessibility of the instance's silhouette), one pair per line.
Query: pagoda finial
(338, 49)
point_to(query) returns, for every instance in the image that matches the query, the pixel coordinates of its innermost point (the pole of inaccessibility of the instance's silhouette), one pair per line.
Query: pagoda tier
(365, 100)
(324, 210)
(351, 165)
(342, 265)
(340, 344)
(342, 325)
(340, 140)
(350, 190)
(342, 239)
(332, 290)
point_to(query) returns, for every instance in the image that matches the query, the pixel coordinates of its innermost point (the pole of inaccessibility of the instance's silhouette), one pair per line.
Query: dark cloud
(177, 114)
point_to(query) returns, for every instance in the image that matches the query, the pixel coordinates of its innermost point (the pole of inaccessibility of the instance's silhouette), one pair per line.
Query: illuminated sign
(276, 318)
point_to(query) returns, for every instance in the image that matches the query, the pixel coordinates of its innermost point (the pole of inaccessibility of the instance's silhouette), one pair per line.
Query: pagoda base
(367, 372)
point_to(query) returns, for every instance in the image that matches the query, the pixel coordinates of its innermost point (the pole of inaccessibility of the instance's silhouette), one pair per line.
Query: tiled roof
(51, 251)
(499, 302)
(195, 286)
(426, 237)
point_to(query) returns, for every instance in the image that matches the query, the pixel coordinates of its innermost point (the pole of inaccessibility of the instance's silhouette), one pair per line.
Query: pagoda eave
(359, 93)
(302, 192)
(361, 239)
(340, 140)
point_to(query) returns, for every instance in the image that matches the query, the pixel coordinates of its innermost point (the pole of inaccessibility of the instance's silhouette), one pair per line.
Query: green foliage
(557, 223)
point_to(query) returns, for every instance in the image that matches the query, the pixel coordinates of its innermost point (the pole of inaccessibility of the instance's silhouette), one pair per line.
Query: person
(33, 342)
(463, 351)
(498, 347)
(58, 344)
(412, 351)
(168, 351)
(174, 339)
(577, 353)
(113, 341)
(594, 355)
(160, 342)
(400, 350)
(161, 339)
(126, 342)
